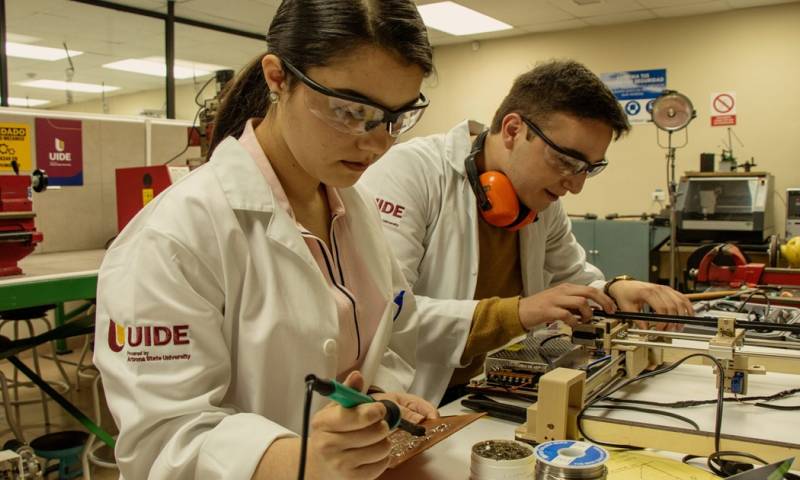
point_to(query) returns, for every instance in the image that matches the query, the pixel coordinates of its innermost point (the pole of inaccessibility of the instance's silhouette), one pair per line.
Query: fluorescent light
(72, 86)
(156, 66)
(23, 50)
(26, 102)
(455, 19)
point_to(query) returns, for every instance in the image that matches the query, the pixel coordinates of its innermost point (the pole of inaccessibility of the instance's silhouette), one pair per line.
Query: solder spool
(570, 460)
(502, 460)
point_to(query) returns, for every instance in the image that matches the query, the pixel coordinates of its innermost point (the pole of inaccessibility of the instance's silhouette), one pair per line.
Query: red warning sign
(723, 109)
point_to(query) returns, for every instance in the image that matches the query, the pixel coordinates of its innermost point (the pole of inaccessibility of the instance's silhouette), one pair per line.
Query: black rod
(181, 20)
(3, 57)
(702, 321)
(169, 47)
(219, 28)
(123, 8)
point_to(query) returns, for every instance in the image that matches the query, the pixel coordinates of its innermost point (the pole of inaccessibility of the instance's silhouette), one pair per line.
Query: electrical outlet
(659, 195)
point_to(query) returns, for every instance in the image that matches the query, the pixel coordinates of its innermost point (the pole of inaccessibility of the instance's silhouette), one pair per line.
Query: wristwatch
(618, 278)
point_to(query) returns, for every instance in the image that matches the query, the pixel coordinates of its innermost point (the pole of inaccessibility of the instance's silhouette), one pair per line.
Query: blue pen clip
(398, 300)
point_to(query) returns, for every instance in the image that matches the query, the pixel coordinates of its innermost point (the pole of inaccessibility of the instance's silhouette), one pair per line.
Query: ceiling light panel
(455, 19)
(71, 86)
(35, 52)
(157, 67)
(26, 102)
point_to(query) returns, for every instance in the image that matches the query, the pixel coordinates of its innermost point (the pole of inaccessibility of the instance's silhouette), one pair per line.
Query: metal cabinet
(620, 247)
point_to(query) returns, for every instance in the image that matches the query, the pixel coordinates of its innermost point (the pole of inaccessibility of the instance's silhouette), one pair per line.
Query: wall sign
(723, 109)
(59, 150)
(15, 144)
(636, 90)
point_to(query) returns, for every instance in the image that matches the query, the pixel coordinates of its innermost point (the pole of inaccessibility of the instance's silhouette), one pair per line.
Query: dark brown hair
(312, 33)
(562, 86)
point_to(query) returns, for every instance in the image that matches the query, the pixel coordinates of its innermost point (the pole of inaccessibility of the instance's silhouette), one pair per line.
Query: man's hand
(632, 295)
(566, 302)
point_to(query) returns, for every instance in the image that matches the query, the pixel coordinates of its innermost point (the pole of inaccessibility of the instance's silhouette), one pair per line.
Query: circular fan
(672, 111)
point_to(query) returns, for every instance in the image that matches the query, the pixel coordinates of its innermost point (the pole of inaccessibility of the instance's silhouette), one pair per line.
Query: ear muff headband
(497, 200)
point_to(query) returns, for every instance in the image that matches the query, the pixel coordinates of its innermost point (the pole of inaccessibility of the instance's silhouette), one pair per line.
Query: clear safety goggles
(357, 115)
(566, 161)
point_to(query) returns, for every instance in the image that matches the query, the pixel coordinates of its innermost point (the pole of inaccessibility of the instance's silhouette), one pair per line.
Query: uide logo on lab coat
(150, 343)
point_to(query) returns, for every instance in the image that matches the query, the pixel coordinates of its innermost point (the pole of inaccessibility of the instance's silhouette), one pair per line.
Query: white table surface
(450, 459)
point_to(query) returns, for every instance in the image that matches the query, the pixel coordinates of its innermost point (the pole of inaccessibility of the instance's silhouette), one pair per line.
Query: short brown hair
(562, 86)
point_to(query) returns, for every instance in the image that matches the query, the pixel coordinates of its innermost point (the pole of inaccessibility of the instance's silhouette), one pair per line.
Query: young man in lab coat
(481, 280)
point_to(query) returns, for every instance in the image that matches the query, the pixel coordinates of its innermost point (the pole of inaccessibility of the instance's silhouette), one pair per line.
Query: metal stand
(672, 188)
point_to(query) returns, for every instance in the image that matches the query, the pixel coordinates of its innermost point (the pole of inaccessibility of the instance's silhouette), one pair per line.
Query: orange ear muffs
(497, 201)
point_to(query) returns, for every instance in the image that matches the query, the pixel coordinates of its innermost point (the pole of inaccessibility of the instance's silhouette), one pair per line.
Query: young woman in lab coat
(266, 265)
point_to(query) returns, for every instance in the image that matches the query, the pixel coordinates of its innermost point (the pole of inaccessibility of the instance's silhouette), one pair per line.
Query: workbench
(450, 459)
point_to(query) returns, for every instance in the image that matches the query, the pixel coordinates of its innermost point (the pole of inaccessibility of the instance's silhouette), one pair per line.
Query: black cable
(552, 337)
(301, 470)
(750, 297)
(189, 137)
(544, 342)
(197, 97)
(717, 465)
(777, 407)
(697, 403)
(652, 411)
(613, 389)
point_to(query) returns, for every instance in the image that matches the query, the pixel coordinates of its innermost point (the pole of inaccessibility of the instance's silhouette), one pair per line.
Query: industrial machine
(18, 234)
(630, 354)
(726, 266)
(136, 186)
(735, 206)
(792, 212)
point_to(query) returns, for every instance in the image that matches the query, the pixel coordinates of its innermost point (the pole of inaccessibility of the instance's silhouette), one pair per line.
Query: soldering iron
(348, 398)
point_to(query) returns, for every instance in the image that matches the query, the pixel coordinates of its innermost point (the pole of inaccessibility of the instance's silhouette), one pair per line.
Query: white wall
(755, 52)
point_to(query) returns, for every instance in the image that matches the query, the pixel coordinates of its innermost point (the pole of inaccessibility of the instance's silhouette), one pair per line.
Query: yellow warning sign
(147, 195)
(15, 144)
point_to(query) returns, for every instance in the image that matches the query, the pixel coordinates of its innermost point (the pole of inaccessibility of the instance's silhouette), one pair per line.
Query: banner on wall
(636, 90)
(15, 144)
(59, 150)
(723, 109)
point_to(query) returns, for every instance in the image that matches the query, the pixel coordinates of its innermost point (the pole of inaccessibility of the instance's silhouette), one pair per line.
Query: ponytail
(242, 99)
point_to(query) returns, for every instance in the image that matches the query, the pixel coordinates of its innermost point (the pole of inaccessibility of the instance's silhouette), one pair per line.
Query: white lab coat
(434, 233)
(218, 262)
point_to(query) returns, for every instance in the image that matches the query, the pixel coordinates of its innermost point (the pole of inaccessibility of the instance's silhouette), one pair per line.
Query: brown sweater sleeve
(494, 323)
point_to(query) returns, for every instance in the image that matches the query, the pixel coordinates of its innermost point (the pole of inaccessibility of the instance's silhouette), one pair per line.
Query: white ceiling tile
(604, 7)
(518, 12)
(616, 18)
(551, 27)
(670, 3)
(688, 10)
(756, 3)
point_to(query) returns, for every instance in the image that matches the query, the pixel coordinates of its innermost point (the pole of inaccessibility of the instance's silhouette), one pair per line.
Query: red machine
(18, 235)
(136, 186)
(726, 265)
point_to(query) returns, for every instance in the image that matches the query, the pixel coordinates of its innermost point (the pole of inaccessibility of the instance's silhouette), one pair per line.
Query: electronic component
(520, 365)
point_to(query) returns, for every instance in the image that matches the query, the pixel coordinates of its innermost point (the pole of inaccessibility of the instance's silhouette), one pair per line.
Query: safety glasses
(567, 161)
(357, 115)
